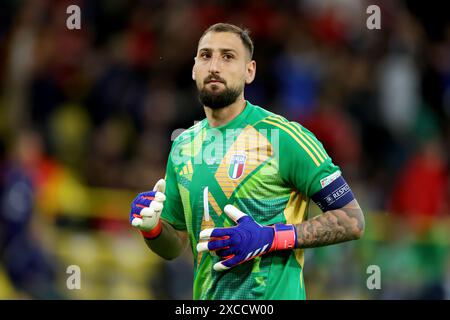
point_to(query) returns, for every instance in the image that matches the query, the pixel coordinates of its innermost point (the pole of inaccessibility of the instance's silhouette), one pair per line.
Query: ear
(250, 72)
(193, 69)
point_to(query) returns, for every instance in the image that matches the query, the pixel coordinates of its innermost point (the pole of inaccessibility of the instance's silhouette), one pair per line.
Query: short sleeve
(173, 206)
(304, 163)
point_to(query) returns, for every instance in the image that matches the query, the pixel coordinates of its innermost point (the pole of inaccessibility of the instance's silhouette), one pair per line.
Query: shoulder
(285, 128)
(258, 113)
(276, 125)
(294, 138)
(184, 144)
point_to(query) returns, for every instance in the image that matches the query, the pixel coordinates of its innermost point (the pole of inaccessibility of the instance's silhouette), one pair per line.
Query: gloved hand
(146, 209)
(245, 241)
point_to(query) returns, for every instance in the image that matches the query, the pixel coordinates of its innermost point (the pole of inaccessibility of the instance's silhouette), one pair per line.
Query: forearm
(332, 227)
(169, 244)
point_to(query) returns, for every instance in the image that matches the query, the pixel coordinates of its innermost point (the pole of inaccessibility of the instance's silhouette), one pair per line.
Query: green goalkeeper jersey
(264, 165)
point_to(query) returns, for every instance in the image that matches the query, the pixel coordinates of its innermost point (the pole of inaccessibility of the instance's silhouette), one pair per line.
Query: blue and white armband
(334, 196)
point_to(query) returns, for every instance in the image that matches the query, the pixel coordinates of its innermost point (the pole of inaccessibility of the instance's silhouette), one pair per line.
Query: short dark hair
(244, 34)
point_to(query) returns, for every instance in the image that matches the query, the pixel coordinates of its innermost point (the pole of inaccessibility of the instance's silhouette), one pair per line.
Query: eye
(205, 55)
(228, 56)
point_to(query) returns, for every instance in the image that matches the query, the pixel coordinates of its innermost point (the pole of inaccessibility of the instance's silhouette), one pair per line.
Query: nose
(214, 66)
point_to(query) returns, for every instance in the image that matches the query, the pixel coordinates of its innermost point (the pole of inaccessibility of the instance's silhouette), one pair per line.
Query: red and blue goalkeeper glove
(246, 241)
(146, 209)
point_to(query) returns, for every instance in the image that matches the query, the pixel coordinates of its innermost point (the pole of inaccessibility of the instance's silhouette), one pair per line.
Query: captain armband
(334, 196)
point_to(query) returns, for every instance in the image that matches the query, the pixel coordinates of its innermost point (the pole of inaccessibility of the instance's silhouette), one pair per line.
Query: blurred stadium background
(86, 118)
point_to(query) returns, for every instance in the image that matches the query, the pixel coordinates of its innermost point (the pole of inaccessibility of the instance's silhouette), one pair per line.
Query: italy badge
(237, 165)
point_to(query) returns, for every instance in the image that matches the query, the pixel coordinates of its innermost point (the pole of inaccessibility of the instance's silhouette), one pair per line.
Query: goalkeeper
(238, 185)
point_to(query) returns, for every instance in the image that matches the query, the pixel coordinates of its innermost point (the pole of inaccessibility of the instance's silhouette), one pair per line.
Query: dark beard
(220, 100)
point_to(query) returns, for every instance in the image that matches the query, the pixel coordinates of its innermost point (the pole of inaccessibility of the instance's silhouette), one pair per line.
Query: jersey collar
(237, 121)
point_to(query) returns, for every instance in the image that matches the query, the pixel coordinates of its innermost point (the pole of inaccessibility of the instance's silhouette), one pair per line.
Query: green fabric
(276, 158)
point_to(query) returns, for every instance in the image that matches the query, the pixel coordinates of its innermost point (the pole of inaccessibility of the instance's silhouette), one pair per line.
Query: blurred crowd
(87, 117)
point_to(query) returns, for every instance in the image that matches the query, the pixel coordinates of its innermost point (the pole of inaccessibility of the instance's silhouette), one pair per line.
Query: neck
(220, 117)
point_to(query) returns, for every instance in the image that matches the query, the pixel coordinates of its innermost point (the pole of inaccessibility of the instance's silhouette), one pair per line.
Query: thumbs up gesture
(146, 210)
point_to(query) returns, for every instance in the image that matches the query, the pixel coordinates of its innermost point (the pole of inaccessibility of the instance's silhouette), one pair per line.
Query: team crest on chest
(237, 166)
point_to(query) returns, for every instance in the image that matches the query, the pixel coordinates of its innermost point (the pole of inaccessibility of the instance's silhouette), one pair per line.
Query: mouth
(214, 81)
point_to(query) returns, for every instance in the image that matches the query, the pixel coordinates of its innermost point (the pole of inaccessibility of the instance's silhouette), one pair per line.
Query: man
(238, 187)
